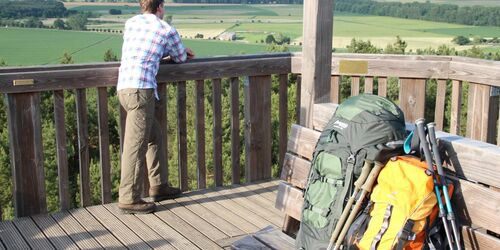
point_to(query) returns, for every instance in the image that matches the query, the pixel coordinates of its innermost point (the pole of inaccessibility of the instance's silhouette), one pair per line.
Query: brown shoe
(163, 192)
(140, 207)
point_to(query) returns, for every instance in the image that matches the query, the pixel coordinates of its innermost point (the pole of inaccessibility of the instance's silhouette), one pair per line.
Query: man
(146, 40)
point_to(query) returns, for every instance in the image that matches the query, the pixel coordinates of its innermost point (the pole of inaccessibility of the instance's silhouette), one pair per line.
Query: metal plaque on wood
(23, 82)
(353, 67)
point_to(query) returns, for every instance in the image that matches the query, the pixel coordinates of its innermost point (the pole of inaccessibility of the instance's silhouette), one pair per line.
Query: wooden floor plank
(147, 234)
(194, 220)
(223, 212)
(212, 218)
(55, 234)
(249, 242)
(96, 229)
(117, 228)
(35, 238)
(236, 208)
(10, 237)
(75, 231)
(276, 239)
(265, 192)
(200, 240)
(167, 232)
(270, 185)
(1, 245)
(256, 208)
(257, 199)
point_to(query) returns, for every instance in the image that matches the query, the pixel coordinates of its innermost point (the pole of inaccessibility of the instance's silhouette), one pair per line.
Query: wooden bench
(473, 164)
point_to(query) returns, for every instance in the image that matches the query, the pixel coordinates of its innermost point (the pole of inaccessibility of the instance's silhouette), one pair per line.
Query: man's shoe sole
(165, 197)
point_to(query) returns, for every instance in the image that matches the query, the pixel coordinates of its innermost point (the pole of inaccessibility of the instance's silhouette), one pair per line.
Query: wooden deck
(206, 219)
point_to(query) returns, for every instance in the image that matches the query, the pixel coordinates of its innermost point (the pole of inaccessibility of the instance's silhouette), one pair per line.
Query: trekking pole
(428, 158)
(366, 188)
(439, 164)
(357, 186)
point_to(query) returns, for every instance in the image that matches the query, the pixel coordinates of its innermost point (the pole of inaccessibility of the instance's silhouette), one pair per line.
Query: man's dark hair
(150, 6)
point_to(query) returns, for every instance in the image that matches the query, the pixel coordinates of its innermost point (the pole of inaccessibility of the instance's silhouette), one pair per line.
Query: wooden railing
(412, 74)
(251, 73)
(24, 87)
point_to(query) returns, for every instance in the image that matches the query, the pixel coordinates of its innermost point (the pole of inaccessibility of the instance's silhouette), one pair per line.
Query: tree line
(468, 15)
(242, 1)
(32, 8)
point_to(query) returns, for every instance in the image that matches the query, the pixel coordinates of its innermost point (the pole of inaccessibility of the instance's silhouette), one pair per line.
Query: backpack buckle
(406, 233)
(351, 159)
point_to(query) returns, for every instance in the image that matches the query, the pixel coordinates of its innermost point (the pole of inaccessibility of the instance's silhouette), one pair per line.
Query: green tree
(273, 47)
(360, 46)
(3, 63)
(279, 38)
(59, 24)
(270, 39)
(461, 40)
(77, 22)
(110, 56)
(398, 47)
(168, 19)
(66, 59)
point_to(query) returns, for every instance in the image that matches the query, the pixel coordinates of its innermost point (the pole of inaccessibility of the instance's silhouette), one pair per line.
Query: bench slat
(289, 200)
(295, 170)
(474, 239)
(322, 114)
(479, 205)
(302, 141)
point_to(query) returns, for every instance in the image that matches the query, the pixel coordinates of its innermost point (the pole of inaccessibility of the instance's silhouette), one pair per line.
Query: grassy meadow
(251, 23)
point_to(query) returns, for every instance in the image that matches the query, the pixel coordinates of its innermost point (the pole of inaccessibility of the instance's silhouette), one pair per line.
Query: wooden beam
(382, 86)
(200, 135)
(302, 141)
(316, 56)
(369, 84)
(323, 112)
(26, 153)
(456, 107)
(283, 116)
(102, 107)
(412, 98)
(62, 152)
(235, 129)
(217, 132)
(289, 200)
(182, 136)
(335, 89)
(295, 170)
(83, 146)
(355, 85)
(257, 127)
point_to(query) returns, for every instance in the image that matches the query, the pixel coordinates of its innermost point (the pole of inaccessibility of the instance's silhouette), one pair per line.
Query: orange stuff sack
(402, 206)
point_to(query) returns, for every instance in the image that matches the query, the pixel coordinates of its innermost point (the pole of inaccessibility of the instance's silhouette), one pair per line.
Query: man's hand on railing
(190, 53)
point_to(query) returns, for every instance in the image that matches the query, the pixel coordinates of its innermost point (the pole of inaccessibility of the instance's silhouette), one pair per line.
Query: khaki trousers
(143, 144)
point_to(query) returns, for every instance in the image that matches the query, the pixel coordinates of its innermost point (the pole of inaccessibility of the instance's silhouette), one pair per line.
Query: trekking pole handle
(372, 177)
(365, 171)
(431, 129)
(423, 143)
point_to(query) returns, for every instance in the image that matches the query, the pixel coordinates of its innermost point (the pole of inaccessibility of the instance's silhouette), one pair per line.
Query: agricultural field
(251, 24)
(456, 2)
(19, 48)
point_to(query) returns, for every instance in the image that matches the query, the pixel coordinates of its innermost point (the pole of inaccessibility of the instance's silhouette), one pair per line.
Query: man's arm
(175, 49)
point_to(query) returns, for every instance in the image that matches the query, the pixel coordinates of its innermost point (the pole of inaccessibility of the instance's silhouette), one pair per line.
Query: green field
(21, 47)
(251, 23)
(456, 2)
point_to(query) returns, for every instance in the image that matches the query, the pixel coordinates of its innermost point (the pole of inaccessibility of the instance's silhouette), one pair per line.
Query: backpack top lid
(365, 108)
(368, 120)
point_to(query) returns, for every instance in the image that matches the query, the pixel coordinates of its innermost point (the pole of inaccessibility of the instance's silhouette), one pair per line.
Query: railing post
(26, 152)
(412, 98)
(316, 57)
(257, 127)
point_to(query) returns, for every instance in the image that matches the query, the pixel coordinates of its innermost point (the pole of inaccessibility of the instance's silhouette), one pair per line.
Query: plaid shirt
(146, 40)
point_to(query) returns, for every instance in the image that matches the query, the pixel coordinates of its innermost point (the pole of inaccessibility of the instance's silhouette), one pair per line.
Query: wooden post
(26, 153)
(217, 132)
(412, 98)
(62, 153)
(200, 134)
(335, 89)
(83, 146)
(283, 117)
(257, 127)
(316, 56)
(482, 113)
(440, 104)
(102, 107)
(182, 135)
(456, 107)
(235, 129)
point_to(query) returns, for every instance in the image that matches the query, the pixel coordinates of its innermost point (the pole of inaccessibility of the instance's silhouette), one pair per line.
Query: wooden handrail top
(106, 74)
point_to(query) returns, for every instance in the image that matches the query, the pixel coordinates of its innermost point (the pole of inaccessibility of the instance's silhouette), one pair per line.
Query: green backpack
(363, 127)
